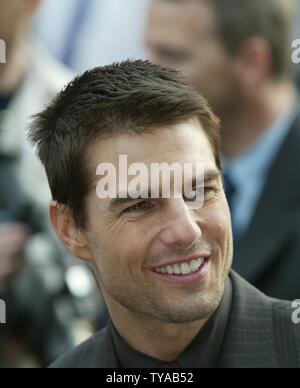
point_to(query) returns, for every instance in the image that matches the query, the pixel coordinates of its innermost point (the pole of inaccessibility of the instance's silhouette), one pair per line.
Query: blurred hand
(12, 240)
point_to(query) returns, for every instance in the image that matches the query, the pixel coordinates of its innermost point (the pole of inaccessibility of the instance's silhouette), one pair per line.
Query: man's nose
(180, 228)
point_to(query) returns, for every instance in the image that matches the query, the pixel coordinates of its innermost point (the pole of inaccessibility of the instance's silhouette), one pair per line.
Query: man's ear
(254, 62)
(67, 231)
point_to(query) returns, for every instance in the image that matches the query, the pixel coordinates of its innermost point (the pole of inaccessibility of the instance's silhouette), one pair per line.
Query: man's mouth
(183, 269)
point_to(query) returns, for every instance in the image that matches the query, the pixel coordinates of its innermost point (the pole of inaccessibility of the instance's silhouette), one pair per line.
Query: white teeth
(195, 265)
(177, 269)
(182, 269)
(185, 269)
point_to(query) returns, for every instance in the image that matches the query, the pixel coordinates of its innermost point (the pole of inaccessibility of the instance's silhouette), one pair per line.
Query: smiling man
(237, 54)
(163, 264)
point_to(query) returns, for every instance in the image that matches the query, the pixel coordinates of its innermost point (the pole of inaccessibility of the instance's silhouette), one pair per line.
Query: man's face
(9, 19)
(131, 241)
(14, 18)
(183, 35)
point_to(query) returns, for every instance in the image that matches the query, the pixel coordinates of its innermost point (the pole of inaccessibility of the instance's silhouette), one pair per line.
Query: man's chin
(196, 308)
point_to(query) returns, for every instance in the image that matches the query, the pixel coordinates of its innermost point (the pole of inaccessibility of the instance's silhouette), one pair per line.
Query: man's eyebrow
(128, 198)
(121, 201)
(212, 175)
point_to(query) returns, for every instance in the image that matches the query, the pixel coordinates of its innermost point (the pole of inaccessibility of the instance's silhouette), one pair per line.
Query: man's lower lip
(186, 279)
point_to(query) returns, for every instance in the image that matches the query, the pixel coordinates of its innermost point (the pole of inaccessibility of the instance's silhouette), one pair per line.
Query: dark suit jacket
(268, 256)
(260, 334)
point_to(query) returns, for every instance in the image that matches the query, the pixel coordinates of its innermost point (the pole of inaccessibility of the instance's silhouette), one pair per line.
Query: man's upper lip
(181, 261)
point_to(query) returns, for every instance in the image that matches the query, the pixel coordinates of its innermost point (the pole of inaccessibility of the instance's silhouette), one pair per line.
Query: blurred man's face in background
(10, 15)
(15, 16)
(184, 35)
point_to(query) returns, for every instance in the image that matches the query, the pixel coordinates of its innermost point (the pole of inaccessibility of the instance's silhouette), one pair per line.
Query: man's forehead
(187, 16)
(183, 143)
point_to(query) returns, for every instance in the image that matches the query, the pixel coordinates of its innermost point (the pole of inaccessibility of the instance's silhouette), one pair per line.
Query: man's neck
(161, 341)
(250, 120)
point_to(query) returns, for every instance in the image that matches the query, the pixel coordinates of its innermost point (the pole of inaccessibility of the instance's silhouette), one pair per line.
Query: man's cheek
(129, 254)
(223, 231)
(219, 227)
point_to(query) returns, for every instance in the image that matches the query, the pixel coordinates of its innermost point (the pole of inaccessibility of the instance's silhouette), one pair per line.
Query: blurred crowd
(246, 73)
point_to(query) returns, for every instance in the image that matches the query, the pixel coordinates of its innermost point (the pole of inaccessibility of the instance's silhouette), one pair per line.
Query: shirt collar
(257, 160)
(204, 350)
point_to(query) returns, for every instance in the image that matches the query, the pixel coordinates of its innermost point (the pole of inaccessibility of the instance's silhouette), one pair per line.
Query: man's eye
(139, 207)
(173, 56)
(208, 191)
(202, 192)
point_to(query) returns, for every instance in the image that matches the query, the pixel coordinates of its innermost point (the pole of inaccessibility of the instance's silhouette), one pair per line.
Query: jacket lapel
(250, 339)
(272, 225)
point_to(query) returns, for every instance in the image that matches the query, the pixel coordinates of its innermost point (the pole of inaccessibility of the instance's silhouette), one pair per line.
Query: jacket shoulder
(286, 321)
(262, 332)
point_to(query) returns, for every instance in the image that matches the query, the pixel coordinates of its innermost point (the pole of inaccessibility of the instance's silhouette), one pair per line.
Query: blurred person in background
(237, 53)
(87, 33)
(40, 310)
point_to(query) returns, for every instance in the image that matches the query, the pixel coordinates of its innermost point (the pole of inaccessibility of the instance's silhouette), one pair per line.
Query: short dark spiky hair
(132, 96)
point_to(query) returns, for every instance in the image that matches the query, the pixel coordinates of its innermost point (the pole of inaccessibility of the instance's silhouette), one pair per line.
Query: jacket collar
(272, 224)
